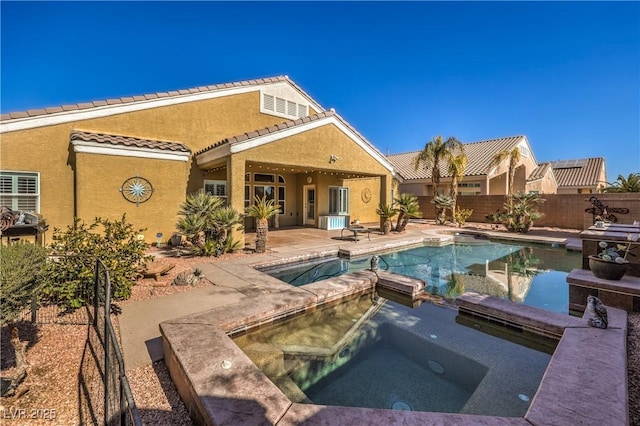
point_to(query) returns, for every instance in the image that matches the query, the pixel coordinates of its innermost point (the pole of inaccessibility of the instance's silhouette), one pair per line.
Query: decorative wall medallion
(136, 190)
(366, 195)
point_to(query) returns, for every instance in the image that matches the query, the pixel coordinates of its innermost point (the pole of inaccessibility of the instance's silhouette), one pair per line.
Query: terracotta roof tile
(99, 103)
(33, 112)
(18, 114)
(479, 156)
(53, 110)
(85, 105)
(114, 101)
(79, 135)
(5, 117)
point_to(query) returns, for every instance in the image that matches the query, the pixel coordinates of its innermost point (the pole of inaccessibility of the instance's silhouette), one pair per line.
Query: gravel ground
(55, 351)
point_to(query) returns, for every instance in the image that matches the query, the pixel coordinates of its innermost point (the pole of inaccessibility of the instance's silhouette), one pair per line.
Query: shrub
(21, 266)
(462, 215)
(69, 278)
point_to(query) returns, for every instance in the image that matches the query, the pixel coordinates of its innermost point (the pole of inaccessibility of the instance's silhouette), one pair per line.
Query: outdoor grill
(15, 224)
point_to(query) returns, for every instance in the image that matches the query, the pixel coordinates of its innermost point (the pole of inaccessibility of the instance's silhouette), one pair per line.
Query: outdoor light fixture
(333, 158)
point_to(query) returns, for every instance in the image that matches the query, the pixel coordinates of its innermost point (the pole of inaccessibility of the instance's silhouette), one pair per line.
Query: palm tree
(408, 207)
(457, 165)
(435, 152)
(514, 158)
(262, 209)
(630, 184)
(386, 213)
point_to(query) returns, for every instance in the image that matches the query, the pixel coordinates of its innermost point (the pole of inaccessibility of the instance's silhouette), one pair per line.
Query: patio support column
(235, 179)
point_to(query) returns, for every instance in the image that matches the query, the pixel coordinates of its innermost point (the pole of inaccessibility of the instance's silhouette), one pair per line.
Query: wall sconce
(333, 158)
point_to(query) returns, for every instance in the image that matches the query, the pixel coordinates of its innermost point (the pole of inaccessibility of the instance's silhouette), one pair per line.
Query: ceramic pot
(607, 270)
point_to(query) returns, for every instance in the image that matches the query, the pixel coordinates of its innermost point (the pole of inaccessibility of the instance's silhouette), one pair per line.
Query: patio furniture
(356, 229)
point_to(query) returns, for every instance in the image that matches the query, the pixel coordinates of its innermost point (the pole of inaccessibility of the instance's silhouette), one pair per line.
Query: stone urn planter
(607, 270)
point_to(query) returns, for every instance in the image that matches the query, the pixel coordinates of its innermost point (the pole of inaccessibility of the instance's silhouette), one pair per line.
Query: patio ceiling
(253, 166)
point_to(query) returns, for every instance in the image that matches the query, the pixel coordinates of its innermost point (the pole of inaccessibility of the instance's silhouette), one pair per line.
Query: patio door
(309, 205)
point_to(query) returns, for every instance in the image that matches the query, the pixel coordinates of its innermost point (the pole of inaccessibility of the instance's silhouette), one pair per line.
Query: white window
(471, 188)
(217, 188)
(20, 190)
(281, 198)
(338, 200)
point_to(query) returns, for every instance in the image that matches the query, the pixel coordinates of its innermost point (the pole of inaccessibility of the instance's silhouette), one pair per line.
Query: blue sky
(565, 74)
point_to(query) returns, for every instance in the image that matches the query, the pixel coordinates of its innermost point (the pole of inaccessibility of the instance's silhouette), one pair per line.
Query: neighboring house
(142, 155)
(582, 176)
(480, 178)
(542, 180)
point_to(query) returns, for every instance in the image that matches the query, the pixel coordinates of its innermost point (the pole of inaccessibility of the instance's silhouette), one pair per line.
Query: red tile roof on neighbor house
(287, 125)
(79, 135)
(479, 157)
(584, 172)
(132, 99)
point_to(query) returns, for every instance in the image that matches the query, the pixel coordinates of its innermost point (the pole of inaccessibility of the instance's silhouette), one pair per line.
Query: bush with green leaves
(521, 212)
(21, 266)
(462, 215)
(69, 277)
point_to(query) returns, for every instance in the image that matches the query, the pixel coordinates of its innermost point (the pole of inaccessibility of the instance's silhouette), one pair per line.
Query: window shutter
(268, 102)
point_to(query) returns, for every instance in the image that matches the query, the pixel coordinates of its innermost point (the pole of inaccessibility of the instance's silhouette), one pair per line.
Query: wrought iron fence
(104, 393)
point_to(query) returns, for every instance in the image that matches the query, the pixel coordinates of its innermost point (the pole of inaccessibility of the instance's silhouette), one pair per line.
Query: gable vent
(283, 107)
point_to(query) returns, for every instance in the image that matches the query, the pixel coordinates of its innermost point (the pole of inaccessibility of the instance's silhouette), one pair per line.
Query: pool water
(380, 354)
(534, 275)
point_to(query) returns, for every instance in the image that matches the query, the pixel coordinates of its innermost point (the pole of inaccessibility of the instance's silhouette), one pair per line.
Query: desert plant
(262, 209)
(442, 202)
(462, 215)
(68, 279)
(224, 219)
(21, 266)
(521, 211)
(408, 207)
(386, 213)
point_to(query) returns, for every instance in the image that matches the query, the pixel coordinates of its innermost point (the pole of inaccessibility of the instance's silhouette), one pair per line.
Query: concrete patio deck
(238, 287)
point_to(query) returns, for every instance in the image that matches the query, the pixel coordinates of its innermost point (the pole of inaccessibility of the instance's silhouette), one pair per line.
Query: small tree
(21, 266)
(262, 209)
(69, 278)
(386, 213)
(622, 184)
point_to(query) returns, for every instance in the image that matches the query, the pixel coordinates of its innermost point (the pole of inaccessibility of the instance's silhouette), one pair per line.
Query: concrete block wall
(561, 210)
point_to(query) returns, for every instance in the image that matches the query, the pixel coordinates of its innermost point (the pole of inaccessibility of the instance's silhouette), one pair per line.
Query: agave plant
(522, 211)
(408, 207)
(442, 202)
(262, 209)
(224, 219)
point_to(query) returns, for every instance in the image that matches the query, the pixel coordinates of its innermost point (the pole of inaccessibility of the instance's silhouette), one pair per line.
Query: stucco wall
(100, 177)
(196, 124)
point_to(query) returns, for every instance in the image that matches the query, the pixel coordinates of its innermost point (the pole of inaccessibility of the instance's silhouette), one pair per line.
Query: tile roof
(287, 125)
(80, 135)
(132, 99)
(539, 172)
(583, 172)
(479, 157)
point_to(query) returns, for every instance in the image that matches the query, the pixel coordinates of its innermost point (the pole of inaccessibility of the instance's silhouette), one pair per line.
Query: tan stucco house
(142, 155)
(481, 177)
(580, 176)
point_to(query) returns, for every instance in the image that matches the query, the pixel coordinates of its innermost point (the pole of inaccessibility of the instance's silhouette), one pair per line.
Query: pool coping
(196, 346)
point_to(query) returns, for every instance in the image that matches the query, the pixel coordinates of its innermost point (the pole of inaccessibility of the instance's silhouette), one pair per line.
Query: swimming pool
(380, 354)
(534, 275)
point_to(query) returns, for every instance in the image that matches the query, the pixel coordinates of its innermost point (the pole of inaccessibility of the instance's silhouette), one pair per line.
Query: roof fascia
(128, 151)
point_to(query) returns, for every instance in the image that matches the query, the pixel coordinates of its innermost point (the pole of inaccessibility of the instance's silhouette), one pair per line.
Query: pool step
(402, 284)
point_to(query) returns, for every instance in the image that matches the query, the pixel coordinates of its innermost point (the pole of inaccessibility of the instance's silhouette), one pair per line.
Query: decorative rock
(185, 278)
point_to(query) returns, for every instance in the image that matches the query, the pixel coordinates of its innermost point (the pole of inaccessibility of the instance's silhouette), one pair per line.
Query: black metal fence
(104, 393)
